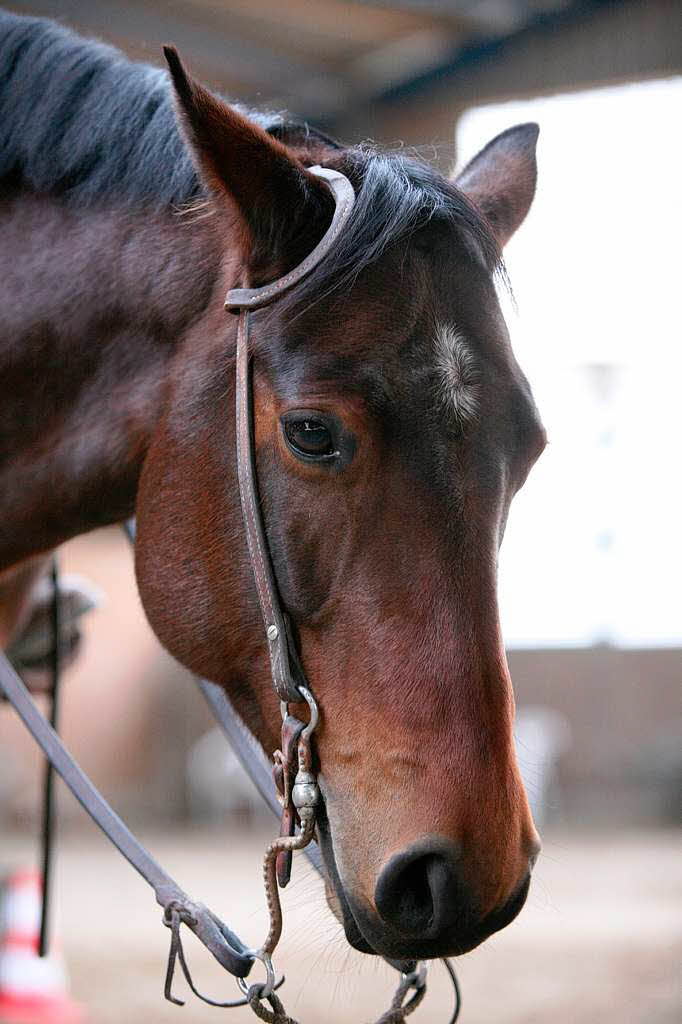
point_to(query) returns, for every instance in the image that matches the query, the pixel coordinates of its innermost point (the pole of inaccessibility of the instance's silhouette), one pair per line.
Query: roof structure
(317, 58)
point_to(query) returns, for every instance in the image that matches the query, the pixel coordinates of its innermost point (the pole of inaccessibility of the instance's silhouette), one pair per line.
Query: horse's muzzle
(424, 909)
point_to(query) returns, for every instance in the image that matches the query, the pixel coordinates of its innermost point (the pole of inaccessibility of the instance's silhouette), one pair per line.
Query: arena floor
(600, 941)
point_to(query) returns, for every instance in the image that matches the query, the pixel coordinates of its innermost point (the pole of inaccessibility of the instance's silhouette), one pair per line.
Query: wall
(624, 710)
(612, 43)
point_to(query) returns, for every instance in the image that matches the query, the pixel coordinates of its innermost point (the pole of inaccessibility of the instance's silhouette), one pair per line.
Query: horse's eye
(309, 438)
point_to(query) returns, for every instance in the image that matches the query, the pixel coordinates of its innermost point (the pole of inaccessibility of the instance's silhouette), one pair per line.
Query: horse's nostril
(412, 885)
(428, 907)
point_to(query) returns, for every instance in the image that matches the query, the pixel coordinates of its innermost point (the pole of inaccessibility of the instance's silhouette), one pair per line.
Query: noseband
(293, 769)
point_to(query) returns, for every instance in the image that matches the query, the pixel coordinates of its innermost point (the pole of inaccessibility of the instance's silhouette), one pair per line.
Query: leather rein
(293, 773)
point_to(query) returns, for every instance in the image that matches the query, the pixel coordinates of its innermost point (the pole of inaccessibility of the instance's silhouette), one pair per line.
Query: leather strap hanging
(287, 673)
(216, 936)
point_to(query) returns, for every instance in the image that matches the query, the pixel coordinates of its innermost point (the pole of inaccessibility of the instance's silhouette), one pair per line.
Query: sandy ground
(599, 942)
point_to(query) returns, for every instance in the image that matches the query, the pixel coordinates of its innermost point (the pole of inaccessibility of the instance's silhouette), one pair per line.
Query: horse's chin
(338, 905)
(340, 908)
(336, 898)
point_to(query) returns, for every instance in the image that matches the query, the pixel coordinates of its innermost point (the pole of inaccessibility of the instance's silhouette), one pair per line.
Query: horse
(392, 428)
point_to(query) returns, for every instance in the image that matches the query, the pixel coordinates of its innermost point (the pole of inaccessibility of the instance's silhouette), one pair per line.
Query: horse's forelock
(396, 197)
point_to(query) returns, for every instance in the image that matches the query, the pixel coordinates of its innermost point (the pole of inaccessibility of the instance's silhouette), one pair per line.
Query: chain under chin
(407, 999)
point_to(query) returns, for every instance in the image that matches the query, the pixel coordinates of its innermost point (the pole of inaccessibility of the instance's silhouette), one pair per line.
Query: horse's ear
(501, 179)
(282, 204)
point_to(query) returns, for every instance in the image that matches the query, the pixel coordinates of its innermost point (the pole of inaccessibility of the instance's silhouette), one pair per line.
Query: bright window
(593, 547)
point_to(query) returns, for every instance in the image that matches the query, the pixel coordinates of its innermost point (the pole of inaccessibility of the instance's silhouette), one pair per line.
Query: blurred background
(591, 564)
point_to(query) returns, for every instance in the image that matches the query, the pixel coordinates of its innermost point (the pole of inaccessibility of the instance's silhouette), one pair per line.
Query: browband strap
(344, 197)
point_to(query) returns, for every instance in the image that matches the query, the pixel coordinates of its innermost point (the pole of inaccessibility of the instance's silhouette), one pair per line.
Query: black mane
(80, 121)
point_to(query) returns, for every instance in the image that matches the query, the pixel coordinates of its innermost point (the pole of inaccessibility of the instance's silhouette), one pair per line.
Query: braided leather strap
(397, 1012)
(277, 1015)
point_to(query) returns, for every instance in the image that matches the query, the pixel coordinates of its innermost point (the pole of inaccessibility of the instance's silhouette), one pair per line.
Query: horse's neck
(92, 307)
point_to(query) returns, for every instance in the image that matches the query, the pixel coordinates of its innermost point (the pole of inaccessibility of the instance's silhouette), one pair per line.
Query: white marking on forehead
(458, 377)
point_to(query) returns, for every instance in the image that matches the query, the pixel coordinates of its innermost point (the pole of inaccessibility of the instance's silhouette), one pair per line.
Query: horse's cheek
(182, 560)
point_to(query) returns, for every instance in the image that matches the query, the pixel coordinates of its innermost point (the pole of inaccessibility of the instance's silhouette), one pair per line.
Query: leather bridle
(293, 773)
(287, 673)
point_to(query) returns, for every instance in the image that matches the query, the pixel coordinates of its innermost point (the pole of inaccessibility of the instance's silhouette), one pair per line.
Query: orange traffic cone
(32, 988)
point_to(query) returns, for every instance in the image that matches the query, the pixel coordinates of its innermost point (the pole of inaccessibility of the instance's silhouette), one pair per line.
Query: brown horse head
(393, 427)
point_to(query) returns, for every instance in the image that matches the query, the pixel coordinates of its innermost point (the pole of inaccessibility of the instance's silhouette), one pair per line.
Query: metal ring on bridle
(312, 704)
(417, 977)
(269, 985)
(314, 712)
